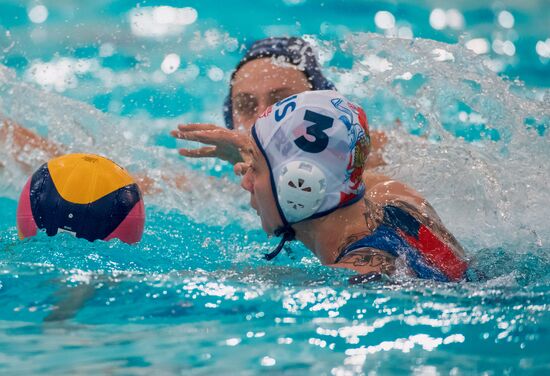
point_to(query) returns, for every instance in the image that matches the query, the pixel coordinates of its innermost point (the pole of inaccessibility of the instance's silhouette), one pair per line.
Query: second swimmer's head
(272, 69)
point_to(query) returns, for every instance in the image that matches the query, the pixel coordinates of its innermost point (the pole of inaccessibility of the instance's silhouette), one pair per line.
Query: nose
(249, 121)
(247, 182)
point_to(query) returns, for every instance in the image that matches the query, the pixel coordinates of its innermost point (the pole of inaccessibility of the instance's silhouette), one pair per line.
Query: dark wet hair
(296, 51)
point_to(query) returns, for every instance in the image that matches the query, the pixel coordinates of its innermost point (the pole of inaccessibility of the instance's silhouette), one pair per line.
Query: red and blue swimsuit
(401, 234)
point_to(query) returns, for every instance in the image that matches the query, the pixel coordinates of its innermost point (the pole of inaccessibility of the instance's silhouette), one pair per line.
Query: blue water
(470, 131)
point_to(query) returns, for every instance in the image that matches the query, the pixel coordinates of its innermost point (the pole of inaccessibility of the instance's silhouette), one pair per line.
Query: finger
(204, 152)
(189, 135)
(198, 136)
(209, 137)
(219, 136)
(178, 134)
(175, 134)
(197, 127)
(241, 168)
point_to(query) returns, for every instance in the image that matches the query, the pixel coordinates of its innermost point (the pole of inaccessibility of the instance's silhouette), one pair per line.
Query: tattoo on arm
(368, 260)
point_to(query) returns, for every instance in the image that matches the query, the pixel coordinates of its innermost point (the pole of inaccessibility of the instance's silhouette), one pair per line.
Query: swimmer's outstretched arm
(223, 143)
(29, 150)
(26, 147)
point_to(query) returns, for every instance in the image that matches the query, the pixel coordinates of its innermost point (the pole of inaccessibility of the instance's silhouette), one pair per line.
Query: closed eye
(245, 104)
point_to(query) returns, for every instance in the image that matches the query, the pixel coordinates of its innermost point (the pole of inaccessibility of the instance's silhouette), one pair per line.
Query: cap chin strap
(288, 234)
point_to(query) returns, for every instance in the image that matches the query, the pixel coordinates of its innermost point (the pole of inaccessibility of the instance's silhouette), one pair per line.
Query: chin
(268, 229)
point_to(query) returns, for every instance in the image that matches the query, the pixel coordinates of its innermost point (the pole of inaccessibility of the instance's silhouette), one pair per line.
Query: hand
(224, 144)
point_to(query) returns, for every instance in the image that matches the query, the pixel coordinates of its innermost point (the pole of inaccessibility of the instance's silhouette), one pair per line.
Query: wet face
(256, 180)
(260, 83)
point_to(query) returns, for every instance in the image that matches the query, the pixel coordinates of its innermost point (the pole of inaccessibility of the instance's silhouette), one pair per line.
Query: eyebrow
(279, 90)
(271, 92)
(244, 95)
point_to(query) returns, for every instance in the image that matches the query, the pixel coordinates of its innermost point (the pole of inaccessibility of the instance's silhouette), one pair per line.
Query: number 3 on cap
(320, 123)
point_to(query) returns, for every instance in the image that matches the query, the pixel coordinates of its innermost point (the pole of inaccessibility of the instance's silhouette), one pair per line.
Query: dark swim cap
(296, 51)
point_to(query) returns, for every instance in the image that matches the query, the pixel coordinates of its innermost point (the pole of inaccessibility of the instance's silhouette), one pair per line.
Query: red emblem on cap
(266, 112)
(361, 115)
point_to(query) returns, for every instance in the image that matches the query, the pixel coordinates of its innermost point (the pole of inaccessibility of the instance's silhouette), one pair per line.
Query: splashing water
(489, 184)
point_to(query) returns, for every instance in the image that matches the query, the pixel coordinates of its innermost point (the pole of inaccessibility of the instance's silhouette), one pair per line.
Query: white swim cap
(315, 144)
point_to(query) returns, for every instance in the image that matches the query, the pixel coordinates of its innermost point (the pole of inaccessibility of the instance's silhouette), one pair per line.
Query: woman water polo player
(304, 168)
(271, 69)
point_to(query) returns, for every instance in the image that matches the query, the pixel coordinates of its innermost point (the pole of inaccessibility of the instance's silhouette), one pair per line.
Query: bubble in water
(543, 48)
(215, 74)
(454, 19)
(384, 20)
(170, 63)
(268, 361)
(438, 19)
(38, 14)
(106, 50)
(478, 45)
(405, 32)
(506, 19)
(160, 21)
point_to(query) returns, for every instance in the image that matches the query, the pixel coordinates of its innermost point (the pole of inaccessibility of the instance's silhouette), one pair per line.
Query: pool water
(465, 105)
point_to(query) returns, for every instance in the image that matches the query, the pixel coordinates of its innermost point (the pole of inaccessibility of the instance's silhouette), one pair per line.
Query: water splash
(477, 158)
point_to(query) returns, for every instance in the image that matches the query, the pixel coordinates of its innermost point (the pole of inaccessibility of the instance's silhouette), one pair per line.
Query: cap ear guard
(301, 188)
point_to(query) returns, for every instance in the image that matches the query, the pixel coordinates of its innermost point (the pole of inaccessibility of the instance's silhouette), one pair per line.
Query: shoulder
(383, 191)
(387, 192)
